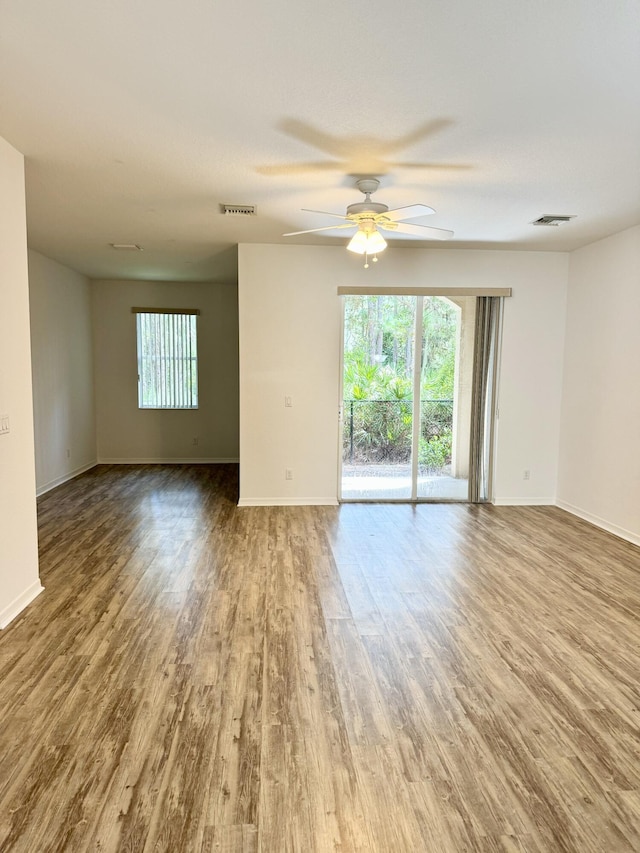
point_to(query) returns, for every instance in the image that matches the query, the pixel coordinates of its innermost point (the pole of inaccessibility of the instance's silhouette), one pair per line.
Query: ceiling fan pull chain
(366, 261)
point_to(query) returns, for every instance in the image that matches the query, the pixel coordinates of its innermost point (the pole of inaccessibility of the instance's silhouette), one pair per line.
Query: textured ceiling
(139, 119)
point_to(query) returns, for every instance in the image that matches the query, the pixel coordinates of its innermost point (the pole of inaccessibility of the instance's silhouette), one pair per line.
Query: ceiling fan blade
(326, 228)
(425, 232)
(411, 211)
(324, 213)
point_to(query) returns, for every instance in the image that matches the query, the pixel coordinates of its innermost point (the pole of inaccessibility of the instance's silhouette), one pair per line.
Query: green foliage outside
(378, 378)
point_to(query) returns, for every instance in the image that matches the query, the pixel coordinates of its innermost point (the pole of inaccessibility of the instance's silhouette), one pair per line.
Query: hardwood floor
(198, 677)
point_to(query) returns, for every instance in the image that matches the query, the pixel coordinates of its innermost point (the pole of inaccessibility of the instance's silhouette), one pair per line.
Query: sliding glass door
(407, 379)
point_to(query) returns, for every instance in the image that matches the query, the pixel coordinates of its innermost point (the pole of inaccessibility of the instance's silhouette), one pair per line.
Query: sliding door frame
(420, 293)
(417, 374)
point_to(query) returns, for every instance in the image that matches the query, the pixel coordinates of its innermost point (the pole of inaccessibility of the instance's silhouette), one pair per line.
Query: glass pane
(378, 396)
(445, 397)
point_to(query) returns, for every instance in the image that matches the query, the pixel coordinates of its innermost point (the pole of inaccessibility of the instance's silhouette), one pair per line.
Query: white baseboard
(634, 538)
(41, 490)
(524, 502)
(204, 460)
(9, 613)
(288, 502)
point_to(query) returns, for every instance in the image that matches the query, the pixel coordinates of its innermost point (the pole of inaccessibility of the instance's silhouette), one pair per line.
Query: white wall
(19, 580)
(599, 473)
(127, 434)
(290, 319)
(62, 361)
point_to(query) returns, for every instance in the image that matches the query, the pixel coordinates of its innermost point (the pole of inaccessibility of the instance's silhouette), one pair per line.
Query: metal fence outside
(380, 431)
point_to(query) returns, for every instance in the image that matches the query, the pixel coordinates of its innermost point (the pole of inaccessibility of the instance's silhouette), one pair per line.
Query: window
(167, 359)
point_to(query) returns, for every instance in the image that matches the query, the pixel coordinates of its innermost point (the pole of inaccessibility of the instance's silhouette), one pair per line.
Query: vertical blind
(167, 359)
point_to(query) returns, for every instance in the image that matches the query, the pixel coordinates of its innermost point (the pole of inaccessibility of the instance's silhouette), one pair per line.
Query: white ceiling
(139, 119)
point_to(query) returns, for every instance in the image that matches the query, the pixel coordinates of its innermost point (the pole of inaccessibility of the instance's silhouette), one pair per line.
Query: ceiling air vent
(552, 219)
(127, 247)
(239, 209)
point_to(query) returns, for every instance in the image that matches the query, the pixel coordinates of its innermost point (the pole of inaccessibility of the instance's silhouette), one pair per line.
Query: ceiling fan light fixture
(358, 243)
(367, 242)
(377, 243)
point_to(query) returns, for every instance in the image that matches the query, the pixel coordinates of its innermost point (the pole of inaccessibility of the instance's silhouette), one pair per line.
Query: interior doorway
(407, 397)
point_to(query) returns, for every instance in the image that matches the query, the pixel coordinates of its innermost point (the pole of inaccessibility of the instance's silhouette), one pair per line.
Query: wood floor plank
(366, 679)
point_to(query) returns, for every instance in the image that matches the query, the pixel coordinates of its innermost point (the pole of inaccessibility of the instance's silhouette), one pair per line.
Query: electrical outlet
(288, 473)
(526, 474)
(195, 441)
(68, 453)
(288, 402)
(4, 423)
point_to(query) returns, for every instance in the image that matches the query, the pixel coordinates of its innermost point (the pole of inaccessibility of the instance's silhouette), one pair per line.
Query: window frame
(173, 362)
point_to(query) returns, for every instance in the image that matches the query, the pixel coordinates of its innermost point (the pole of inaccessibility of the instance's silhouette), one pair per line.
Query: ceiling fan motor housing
(373, 207)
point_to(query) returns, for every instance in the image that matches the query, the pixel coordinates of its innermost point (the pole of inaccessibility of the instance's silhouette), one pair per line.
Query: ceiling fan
(370, 217)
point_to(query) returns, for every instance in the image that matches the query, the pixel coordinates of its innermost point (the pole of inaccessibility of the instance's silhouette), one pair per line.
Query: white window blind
(167, 359)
